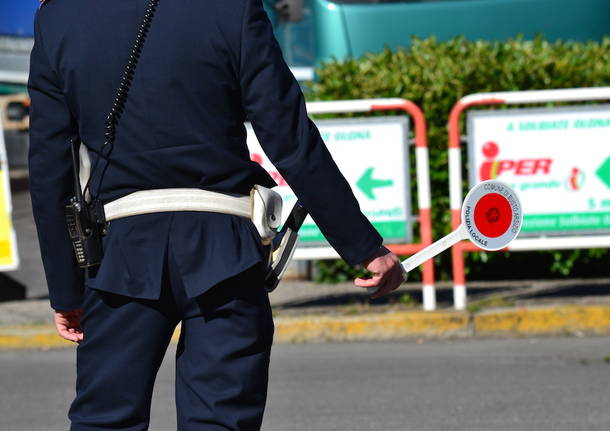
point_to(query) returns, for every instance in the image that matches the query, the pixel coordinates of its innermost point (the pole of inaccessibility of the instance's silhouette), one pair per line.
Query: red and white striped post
(455, 174)
(423, 181)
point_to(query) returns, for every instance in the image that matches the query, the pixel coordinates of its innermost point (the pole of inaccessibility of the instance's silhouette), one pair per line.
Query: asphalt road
(553, 384)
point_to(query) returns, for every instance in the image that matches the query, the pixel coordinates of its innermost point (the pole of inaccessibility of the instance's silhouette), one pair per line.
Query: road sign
(492, 215)
(372, 154)
(557, 159)
(9, 258)
(491, 219)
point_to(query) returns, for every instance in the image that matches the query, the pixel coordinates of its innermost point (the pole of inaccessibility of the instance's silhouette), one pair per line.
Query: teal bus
(311, 31)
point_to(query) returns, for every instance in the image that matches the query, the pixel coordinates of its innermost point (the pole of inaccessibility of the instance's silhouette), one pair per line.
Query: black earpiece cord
(121, 98)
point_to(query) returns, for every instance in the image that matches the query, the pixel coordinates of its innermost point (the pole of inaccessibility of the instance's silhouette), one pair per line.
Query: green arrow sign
(603, 172)
(367, 183)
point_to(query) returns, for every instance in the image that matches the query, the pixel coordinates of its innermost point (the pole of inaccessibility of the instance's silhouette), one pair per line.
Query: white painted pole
(455, 174)
(14, 77)
(356, 105)
(560, 243)
(424, 200)
(459, 297)
(422, 169)
(455, 203)
(542, 96)
(429, 297)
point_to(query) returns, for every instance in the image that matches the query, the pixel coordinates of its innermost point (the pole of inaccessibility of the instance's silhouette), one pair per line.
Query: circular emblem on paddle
(492, 215)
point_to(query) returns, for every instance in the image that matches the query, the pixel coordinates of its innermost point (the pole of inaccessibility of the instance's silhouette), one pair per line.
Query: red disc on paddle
(493, 215)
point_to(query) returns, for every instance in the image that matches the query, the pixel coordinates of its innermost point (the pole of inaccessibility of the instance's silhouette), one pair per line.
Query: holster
(266, 214)
(283, 246)
(85, 219)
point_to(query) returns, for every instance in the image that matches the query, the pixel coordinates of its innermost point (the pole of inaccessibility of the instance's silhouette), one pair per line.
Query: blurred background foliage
(435, 75)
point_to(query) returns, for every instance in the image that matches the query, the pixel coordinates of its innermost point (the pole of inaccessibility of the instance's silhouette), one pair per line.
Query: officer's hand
(68, 325)
(387, 273)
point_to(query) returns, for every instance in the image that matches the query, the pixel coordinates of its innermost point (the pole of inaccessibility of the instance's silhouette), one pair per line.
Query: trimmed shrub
(435, 75)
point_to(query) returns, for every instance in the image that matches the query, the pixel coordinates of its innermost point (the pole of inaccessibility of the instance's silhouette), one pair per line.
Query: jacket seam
(241, 40)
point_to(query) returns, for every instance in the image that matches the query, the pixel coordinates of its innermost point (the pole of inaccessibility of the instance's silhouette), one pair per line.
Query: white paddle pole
(434, 249)
(429, 252)
(491, 219)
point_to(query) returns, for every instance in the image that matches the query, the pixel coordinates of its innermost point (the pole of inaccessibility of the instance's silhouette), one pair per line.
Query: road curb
(31, 337)
(555, 320)
(514, 322)
(381, 326)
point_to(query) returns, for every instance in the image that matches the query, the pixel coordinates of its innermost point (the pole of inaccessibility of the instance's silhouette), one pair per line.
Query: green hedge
(437, 74)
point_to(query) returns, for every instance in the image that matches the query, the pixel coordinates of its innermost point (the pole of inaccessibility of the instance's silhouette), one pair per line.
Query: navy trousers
(222, 358)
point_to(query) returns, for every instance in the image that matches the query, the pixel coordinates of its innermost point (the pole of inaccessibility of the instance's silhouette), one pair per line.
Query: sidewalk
(308, 312)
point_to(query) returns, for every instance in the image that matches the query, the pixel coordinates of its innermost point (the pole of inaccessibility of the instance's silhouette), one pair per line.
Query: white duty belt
(263, 207)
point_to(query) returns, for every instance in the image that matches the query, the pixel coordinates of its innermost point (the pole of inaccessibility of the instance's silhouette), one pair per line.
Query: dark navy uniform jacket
(206, 68)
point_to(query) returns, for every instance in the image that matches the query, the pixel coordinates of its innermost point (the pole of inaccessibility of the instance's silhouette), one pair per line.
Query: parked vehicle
(15, 123)
(311, 31)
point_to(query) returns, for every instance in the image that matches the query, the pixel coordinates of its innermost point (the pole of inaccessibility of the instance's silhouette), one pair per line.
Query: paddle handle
(429, 252)
(434, 249)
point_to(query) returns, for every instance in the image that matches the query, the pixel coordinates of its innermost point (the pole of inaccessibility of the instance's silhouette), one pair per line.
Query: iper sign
(493, 166)
(557, 159)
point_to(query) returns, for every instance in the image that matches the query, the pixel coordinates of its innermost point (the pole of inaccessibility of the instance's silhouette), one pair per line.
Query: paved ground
(552, 384)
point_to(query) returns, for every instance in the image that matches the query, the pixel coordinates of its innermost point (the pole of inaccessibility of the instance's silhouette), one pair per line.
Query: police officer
(205, 68)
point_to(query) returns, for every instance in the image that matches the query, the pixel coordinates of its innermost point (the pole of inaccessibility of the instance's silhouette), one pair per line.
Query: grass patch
(352, 310)
(408, 300)
(607, 359)
(491, 302)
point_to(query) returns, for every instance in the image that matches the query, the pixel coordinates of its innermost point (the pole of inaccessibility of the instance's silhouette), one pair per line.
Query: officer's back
(206, 67)
(183, 123)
